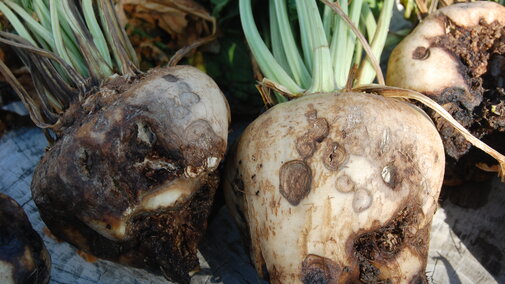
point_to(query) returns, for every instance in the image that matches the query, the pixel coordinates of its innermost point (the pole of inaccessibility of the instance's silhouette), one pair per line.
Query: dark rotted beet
(133, 176)
(132, 167)
(457, 57)
(23, 256)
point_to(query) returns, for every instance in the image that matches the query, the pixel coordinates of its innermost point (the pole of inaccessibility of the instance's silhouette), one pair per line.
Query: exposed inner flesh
(165, 196)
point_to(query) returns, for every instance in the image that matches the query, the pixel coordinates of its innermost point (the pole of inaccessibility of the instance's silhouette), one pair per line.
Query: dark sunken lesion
(320, 270)
(421, 53)
(334, 156)
(385, 243)
(390, 176)
(202, 142)
(319, 129)
(163, 241)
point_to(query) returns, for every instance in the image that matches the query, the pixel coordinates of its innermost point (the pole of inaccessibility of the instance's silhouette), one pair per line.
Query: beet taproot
(356, 207)
(134, 181)
(456, 56)
(132, 166)
(23, 255)
(338, 182)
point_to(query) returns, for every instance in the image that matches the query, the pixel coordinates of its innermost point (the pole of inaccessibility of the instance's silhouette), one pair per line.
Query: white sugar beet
(456, 57)
(337, 187)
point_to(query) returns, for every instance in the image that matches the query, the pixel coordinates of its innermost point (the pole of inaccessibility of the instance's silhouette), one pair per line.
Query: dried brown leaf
(175, 24)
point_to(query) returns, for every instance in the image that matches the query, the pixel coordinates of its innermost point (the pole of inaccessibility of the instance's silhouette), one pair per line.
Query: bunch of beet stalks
(337, 182)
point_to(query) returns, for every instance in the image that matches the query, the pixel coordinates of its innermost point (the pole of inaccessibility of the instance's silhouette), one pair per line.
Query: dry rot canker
(476, 49)
(296, 176)
(305, 146)
(362, 198)
(201, 136)
(135, 182)
(189, 98)
(421, 53)
(319, 129)
(170, 78)
(334, 156)
(317, 269)
(295, 180)
(384, 244)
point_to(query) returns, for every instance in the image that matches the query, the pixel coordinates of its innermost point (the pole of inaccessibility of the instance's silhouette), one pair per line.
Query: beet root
(133, 176)
(23, 255)
(456, 56)
(337, 188)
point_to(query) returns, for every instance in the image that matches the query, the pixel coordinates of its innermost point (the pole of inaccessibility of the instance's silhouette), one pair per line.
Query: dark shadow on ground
(481, 228)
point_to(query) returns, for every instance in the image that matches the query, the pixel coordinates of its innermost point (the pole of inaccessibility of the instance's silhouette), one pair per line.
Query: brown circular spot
(295, 179)
(362, 200)
(334, 156)
(319, 129)
(421, 53)
(305, 146)
(389, 176)
(311, 114)
(344, 184)
(318, 269)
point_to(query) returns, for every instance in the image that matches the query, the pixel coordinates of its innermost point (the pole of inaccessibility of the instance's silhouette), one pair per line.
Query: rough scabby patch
(334, 156)
(318, 269)
(295, 181)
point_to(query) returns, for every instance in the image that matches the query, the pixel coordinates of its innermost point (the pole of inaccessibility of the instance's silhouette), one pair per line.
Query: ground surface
(466, 244)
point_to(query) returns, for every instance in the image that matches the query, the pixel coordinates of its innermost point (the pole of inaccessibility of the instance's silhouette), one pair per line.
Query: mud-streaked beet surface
(133, 176)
